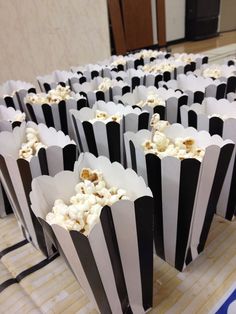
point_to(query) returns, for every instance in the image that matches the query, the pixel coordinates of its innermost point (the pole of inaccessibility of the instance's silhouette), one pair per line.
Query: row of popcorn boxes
(131, 248)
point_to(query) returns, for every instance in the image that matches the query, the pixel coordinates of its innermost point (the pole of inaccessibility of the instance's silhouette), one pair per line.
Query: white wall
(39, 36)
(175, 19)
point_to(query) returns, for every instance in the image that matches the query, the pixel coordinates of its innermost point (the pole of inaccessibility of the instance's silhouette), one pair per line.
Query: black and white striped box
(209, 116)
(114, 263)
(17, 173)
(185, 191)
(106, 137)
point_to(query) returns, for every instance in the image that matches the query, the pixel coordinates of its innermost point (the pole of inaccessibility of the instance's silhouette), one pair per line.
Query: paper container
(195, 60)
(12, 94)
(91, 92)
(117, 255)
(197, 87)
(228, 75)
(50, 81)
(106, 138)
(16, 174)
(185, 192)
(56, 115)
(6, 114)
(197, 116)
(90, 71)
(173, 101)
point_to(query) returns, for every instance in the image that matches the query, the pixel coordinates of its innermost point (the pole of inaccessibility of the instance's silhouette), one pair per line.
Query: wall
(227, 15)
(175, 19)
(39, 36)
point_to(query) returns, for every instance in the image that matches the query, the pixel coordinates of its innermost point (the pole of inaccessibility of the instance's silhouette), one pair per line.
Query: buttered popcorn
(32, 144)
(214, 72)
(83, 209)
(152, 100)
(161, 67)
(105, 117)
(163, 146)
(54, 96)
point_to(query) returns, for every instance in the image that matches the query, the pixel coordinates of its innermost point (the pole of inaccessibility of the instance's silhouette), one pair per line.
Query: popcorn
(105, 117)
(84, 208)
(214, 72)
(163, 146)
(105, 84)
(54, 96)
(160, 67)
(119, 61)
(32, 146)
(152, 101)
(147, 54)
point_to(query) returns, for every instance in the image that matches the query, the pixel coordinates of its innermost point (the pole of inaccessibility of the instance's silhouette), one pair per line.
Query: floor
(53, 289)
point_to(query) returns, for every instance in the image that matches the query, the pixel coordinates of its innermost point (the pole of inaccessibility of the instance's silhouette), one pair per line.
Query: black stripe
(183, 100)
(198, 97)
(231, 85)
(77, 133)
(114, 254)
(31, 113)
(7, 205)
(9, 102)
(158, 78)
(27, 272)
(42, 157)
(13, 247)
(94, 74)
(26, 178)
(120, 67)
(135, 81)
(144, 223)
(192, 66)
(15, 124)
(192, 119)
(220, 91)
(187, 193)
(143, 119)
(187, 68)
(133, 156)
(216, 126)
(125, 90)
(11, 189)
(7, 283)
(100, 95)
(63, 116)
(48, 116)
(114, 139)
(161, 110)
(47, 87)
(137, 63)
(204, 60)
(166, 76)
(88, 262)
(231, 205)
(81, 103)
(222, 165)
(153, 164)
(90, 138)
(70, 154)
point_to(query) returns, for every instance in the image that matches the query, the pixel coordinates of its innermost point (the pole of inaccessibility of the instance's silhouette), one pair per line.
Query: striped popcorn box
(100, 130)
(195, 60)
(9, 118)
(185, 190)
(166, 102)
(116, 254)
(100, 89)
(12, 94)
(48, 153)
(90, 71)
(50, 81)
(217, 117)
(52, 108)
(222, 72)
(197, 87)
